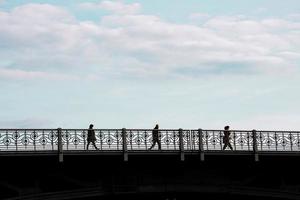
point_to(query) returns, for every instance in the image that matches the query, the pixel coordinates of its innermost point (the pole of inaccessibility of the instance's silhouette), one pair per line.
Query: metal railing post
(16, 139)
(125, 153)
(201, 150)
(60, 145)
(181, 145)
(34, 137)
(255, 145)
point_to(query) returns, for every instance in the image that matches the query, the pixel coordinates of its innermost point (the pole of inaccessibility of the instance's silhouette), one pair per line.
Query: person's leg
(230, 146)
(95, 145)
(159, 144)
(153, 143)
(87, 146)
(225, 145)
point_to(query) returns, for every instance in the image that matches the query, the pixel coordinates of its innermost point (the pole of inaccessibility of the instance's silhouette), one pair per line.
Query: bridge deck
(145, 153)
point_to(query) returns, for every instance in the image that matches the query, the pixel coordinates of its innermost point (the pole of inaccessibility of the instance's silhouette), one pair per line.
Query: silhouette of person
(91, 138)
(226, 138)
(155, 138)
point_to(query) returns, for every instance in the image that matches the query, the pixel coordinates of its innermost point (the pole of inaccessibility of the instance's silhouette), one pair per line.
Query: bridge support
(201, 150)
(255, 145)
(125, 152)
(181, 145)
(60, 145)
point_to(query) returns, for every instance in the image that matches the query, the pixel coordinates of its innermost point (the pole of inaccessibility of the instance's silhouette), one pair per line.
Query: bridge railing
(141, 139)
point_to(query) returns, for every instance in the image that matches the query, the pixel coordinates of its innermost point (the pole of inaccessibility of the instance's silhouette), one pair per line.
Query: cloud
(41, 38)
(26, 123)
(115, 7)
(294, 16)
(28, 75)
(277, 121)
(39, 13)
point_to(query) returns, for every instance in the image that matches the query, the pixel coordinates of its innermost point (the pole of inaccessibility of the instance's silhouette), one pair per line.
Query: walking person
(155, 137)
(226, 138)
(91, 138)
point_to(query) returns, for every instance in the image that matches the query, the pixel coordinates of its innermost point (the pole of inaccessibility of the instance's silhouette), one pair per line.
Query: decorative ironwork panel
(195, 140)
(73, 139)
(28, 139)
(242, 140)
(109, 139)
(214, 140)
(142, 139)
(187, 140)
(278, 141)
(106, 139)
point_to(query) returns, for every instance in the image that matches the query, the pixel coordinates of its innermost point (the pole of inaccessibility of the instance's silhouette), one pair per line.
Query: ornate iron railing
(141, 139)
(28, 139)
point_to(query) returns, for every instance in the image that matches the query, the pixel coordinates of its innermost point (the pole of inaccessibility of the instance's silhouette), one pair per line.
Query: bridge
(55, 164)
(137, 141)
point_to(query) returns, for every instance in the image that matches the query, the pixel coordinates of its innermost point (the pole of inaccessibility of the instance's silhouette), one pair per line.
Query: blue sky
(188, 64)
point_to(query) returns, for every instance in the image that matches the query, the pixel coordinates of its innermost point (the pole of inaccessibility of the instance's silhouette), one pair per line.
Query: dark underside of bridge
(91, 177)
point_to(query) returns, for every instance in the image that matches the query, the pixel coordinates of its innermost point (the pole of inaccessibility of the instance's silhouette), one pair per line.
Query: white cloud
(39, 14)
(116, 7)
(42, 37)
(277, 121)
(294, 16)
(27, 75)
(26, 123)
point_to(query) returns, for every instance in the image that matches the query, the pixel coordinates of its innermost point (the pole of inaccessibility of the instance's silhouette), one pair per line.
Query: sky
(134, 63)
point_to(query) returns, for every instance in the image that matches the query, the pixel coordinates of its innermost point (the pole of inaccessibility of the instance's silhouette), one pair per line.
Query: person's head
(226, 127)
(91, 125)
(156, 126)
